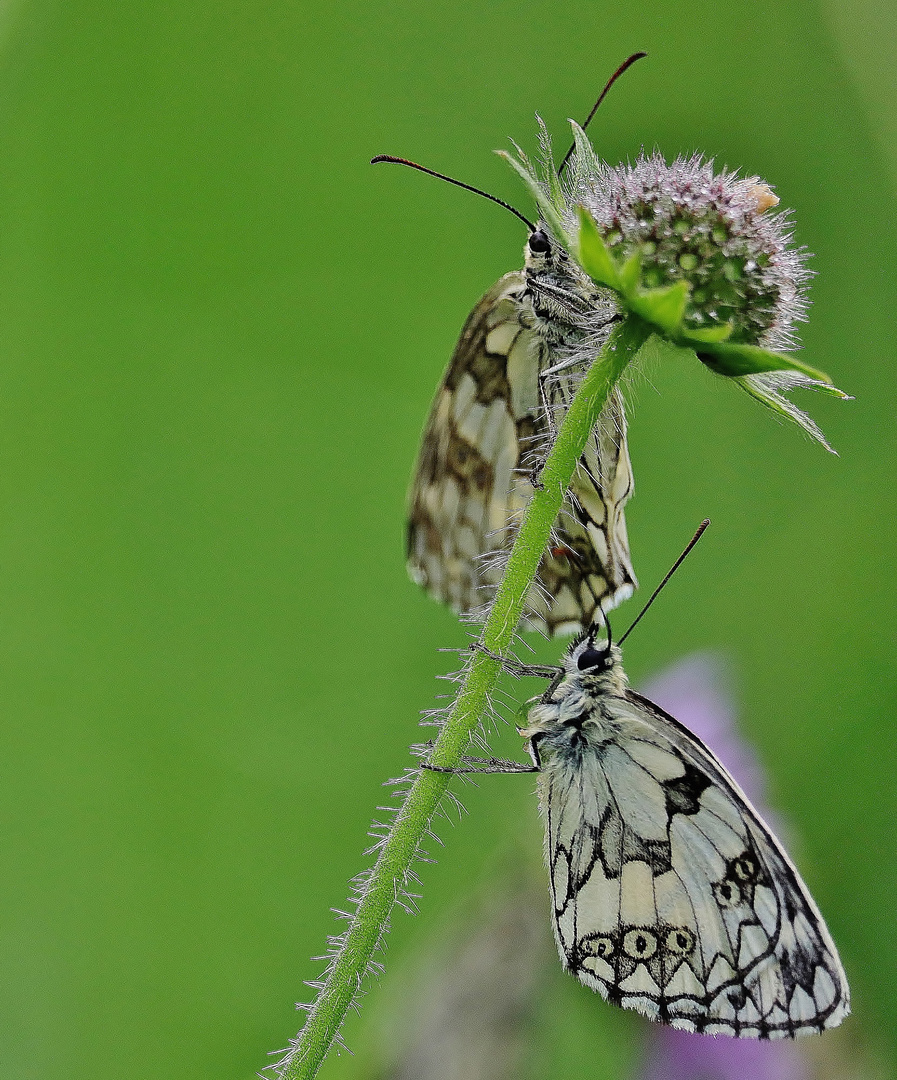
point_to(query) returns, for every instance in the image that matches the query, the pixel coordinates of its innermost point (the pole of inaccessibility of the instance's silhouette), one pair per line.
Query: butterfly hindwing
(487, 430)
(670, 894)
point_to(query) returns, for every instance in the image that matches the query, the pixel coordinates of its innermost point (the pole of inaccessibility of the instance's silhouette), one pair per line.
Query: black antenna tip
(625, 66)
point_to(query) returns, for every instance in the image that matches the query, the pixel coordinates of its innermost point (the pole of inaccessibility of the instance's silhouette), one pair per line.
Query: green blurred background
(220, 330)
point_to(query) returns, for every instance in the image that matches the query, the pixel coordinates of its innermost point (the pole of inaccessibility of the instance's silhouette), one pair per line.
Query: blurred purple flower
(696, 692)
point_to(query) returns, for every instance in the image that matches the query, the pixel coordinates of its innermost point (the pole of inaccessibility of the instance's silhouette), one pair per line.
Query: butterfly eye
(539, 243)
(590, 658)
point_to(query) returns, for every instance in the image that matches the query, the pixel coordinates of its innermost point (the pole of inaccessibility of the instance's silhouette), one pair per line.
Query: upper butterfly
(515, 366)
(488, 431)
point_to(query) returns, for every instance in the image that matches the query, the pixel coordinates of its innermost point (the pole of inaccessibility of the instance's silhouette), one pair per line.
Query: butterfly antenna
(457, 183)
(610, 82)
(697, 536)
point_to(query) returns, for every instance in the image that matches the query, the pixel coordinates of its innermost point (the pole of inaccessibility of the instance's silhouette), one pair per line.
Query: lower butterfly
(669, 893)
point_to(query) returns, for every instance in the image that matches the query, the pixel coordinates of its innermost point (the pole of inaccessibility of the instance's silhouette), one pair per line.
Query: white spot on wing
(463, 398)
(717, 801)
(645, 1005)
(802, 1006)
(693, 855)
(451, 499)
(598, 903)
(660, 763)
(767, 907)
(722, 1008)
(824, 989)
(471, 424)
(498, 431)
(503, 466)
(637, 895)
(684, 982)
(754, 943)
(718, 1029)
(640, 982)
(561, 879)
(673, 904)
(523, 376)
(589, 498)
(727, 842)
(721, 972)
(599, 967)
(777, 1015)
(501, 337)
(640, 798)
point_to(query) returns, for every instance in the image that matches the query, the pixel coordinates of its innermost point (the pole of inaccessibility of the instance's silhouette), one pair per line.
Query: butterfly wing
(673, 897)
(485, 431)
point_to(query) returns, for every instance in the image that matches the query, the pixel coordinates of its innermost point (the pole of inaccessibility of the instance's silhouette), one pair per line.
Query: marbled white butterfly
(670, 894)
(489, 429)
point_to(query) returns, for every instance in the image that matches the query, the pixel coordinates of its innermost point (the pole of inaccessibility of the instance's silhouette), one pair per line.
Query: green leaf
(594, 256)
(828, 388)
(585, 157)
(663, 307)
(708, 335)
(630, 272)
(779, 404)
(736, 360)
(549, 169)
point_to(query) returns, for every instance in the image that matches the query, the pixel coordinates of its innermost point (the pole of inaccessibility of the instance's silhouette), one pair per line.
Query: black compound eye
(539, 242)
(592, 657)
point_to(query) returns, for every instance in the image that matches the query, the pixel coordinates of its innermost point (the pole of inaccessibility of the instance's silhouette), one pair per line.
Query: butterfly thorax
(580, 711)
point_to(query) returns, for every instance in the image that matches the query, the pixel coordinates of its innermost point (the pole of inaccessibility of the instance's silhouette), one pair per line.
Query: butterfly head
(555, 280)
(592, 670)
(543, 254)
(594, 660)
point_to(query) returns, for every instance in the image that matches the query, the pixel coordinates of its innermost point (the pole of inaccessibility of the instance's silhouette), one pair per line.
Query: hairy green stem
(401, 846)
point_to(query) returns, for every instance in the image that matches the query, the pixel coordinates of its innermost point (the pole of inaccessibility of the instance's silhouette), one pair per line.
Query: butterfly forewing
(670, 894)
(486, 432)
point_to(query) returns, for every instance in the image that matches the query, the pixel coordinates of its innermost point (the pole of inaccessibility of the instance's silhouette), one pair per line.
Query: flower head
(696, 254)
(714, 231)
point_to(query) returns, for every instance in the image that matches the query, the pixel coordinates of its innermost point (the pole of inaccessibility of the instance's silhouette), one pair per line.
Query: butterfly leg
(535, 472)
(515, 667)
(548, 412)
(486, 765)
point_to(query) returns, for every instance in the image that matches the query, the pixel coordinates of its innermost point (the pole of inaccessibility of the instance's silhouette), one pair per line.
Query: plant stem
(401, 847)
